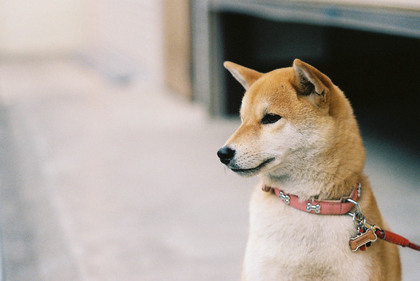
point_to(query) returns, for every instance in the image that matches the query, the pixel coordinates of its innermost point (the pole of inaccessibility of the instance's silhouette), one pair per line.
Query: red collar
(320, 207)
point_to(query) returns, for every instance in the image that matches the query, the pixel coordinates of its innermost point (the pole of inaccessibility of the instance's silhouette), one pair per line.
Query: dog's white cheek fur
(277, 141)
(298, 150)
(273, 141)
(280, 142)
(288, 244)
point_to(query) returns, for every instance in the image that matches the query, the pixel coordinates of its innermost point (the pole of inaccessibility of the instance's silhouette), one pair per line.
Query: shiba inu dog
(299, 135)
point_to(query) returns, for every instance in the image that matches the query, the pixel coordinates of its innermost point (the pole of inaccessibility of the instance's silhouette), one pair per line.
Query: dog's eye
(270, 118)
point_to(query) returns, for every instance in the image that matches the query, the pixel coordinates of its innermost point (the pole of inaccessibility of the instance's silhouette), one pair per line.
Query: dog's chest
(288, 244)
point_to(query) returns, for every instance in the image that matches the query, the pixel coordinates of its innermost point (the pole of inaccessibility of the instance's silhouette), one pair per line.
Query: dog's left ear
(244, 75)
(312, 83)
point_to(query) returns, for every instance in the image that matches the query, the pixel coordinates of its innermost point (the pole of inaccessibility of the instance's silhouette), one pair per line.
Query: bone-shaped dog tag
(362, 239)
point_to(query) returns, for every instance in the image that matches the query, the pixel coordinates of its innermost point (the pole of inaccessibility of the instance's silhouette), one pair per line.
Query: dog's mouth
(252, 170)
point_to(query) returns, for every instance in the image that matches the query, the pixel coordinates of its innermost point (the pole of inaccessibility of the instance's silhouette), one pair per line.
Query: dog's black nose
(226, 154)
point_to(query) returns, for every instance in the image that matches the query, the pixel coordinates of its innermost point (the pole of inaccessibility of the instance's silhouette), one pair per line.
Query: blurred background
(111, 113)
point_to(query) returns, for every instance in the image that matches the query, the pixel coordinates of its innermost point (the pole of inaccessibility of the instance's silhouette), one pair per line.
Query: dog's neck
(310, 189)
(320, 177)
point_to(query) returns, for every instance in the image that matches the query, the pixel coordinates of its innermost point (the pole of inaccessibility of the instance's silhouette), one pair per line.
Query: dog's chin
(249, 172)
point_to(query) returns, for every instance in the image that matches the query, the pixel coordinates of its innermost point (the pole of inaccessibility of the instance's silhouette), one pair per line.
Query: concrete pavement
(108, 182)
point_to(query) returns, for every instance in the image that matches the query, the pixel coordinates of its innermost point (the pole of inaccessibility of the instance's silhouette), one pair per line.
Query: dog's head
(289, 116)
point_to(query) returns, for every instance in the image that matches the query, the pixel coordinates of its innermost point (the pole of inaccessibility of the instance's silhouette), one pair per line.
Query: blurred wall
(125, 37)
(122, 38)
(34, 28)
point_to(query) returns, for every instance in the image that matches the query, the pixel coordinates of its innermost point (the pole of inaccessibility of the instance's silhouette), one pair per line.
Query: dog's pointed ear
(312, 83)
(244, 75)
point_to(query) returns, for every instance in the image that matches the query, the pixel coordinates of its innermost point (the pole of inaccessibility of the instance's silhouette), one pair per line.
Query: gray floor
(106, 182)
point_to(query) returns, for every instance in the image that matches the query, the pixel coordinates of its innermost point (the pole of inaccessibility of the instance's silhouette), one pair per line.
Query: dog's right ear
(312, 83)
(244, 75)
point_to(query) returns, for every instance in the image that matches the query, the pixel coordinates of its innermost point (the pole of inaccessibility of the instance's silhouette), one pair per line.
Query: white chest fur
(288, 244)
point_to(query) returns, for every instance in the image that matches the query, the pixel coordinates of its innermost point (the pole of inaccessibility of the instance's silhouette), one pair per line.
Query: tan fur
(313, 151)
